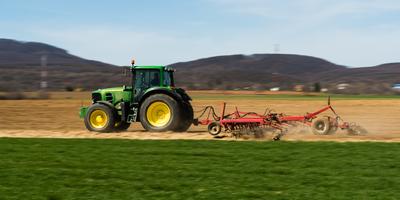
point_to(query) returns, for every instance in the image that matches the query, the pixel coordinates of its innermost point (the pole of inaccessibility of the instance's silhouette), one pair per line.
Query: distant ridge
(20, 70)
(263, 71)
(13, 52)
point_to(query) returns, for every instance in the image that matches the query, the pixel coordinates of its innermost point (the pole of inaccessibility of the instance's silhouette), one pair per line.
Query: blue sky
(350, 32)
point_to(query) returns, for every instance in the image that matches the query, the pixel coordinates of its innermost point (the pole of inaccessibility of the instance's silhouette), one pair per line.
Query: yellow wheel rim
(98, 119)
(158, 114)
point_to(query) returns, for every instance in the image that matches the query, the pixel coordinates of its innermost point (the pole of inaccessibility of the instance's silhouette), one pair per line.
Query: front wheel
(100, 118)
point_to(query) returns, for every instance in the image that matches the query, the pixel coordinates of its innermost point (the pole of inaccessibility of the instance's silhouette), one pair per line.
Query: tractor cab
(151, 77)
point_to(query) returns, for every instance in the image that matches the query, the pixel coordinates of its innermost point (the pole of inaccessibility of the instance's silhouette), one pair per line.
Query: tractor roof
(157, 67)
(148, 67)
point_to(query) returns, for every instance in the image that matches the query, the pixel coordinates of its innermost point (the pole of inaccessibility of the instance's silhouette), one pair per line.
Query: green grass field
(130, 169)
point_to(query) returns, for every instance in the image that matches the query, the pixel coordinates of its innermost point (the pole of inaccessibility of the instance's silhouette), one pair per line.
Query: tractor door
(145, 79)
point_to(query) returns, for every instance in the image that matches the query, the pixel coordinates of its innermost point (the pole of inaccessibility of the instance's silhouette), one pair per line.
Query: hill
(258, 70)
(20, 70)
(19, 53)
(263, 71)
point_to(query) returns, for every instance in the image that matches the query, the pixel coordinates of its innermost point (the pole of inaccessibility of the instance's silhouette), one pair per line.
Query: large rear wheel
(100, 118)
(186, 117)
(159, 113)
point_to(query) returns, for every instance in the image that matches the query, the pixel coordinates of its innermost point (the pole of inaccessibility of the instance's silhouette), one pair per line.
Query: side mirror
(133, 62)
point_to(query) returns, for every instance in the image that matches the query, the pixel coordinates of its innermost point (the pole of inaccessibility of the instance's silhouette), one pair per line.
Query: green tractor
(151, 99)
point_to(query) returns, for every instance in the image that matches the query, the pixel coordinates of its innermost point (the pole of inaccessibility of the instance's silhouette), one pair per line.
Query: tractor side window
(168, 81)
(154, 78)
(141, 79)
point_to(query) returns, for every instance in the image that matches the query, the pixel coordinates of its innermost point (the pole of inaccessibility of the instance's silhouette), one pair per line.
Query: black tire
(121, 126)
(174, 109)
(109, 122)
(214, 128)
(321, 126)
(186, 118)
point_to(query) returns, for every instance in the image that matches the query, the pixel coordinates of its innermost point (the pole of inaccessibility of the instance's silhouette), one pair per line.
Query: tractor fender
(106, 103)
(159, 90)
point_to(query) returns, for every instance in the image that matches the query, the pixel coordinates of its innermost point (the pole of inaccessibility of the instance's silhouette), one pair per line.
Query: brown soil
(58, 118)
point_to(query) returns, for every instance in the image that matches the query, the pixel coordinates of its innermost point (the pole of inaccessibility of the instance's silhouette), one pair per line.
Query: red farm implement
(240, 123)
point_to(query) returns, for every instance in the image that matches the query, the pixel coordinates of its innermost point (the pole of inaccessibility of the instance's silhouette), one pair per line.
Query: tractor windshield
(168, 78)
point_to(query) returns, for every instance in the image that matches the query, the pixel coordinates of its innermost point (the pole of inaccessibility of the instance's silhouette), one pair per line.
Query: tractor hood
(112, 95)
(113, 89)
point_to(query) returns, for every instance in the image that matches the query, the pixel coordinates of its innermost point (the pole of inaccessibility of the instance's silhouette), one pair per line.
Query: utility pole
(43, 73)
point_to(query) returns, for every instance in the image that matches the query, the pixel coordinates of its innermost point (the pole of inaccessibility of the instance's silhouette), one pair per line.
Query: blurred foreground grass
(129, 169)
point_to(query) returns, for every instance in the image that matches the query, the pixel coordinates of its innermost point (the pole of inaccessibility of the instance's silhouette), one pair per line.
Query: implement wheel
(321, 126)
(160, 112)
(214, 128)
(100, 118)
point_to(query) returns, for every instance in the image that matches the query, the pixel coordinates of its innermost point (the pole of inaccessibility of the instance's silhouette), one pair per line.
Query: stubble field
(58, 117)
